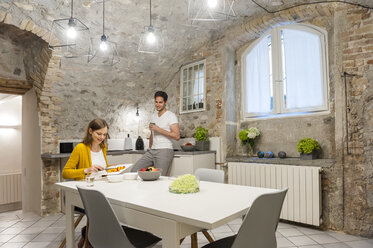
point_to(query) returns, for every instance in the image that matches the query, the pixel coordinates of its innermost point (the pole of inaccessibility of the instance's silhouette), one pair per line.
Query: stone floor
(32, 231)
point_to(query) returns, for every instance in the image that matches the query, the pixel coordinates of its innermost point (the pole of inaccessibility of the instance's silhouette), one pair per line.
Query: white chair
(104, 228)
(210, 175)
(259, 226)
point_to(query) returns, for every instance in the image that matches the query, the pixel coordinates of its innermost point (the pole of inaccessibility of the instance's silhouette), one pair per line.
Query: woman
(90, 155)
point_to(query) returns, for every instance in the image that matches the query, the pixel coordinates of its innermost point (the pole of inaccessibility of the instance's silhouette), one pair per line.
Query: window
(192, 87)
(285, 72)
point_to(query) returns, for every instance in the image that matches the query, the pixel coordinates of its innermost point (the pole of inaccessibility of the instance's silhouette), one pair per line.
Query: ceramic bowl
(114, 178)
(188, 148)
(149, 175)
(130, 176)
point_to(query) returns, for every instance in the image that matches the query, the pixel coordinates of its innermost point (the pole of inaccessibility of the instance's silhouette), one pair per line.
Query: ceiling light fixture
(71, 35)
(102, 49)
(210, 10)
(151, 40)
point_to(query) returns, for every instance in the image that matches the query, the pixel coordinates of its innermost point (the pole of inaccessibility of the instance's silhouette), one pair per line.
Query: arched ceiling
(125, 20)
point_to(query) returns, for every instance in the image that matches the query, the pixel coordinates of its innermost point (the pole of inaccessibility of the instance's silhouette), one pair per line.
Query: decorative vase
(203, 145)
(250, 150)
(308, 156)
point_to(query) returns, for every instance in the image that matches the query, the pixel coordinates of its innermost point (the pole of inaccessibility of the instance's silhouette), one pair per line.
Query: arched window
(285, 72)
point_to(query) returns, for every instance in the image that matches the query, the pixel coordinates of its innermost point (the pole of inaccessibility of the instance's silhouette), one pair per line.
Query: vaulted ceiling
(125, 20)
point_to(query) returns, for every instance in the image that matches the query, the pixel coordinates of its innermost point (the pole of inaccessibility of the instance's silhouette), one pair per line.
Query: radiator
(10, 188)
(303, 200)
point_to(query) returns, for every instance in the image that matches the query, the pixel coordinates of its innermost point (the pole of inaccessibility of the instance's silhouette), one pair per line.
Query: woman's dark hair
(95, 124)
(161, 94)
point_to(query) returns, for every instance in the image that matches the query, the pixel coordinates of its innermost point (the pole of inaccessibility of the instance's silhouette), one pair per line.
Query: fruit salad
(119, 168)
(149, 168)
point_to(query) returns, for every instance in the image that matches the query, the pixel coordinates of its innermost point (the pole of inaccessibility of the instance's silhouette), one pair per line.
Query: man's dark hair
(161, 94)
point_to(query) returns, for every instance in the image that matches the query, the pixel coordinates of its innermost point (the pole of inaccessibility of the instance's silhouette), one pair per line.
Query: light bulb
(71, 33)
(150, 38)
(212, 3)
(103, 46)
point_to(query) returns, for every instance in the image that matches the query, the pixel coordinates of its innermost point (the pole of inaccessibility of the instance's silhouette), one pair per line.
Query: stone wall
(347, 185)
(357, 58)
(11, 56)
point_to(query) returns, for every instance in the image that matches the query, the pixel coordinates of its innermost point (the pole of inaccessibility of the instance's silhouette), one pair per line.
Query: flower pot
(308, 156)
(203, 145)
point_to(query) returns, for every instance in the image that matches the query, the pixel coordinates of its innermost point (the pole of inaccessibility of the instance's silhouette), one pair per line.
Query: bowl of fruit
(149, 173)
(188, 147)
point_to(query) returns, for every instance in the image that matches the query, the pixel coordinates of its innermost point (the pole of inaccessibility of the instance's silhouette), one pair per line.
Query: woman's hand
(93, 169)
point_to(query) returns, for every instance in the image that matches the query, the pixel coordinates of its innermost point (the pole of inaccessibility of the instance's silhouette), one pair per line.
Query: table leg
(70, 232)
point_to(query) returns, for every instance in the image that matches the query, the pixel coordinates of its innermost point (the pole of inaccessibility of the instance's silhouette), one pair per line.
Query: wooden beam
(12, 86)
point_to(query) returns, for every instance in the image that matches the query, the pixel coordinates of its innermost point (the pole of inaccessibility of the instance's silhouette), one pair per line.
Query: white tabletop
(214, 205)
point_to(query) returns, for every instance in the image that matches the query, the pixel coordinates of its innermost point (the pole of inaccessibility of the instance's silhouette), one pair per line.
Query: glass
(90, 180)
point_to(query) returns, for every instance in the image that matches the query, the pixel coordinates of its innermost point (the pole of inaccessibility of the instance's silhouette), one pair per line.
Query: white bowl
(115, 178)
(130, 176)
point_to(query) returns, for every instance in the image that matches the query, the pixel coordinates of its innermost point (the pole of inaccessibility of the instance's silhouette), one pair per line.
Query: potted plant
(202, 141)
(308, 148)
(247, 137)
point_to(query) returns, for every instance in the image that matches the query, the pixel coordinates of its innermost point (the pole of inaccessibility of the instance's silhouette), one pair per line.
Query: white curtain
(303, 69)
(258, 85)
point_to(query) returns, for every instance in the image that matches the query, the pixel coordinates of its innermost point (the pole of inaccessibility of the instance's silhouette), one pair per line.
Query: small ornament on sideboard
(260, 154)
(282, 154)
(269, 154)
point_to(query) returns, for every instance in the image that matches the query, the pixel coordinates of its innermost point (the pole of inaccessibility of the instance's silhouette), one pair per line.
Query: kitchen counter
(66, 155)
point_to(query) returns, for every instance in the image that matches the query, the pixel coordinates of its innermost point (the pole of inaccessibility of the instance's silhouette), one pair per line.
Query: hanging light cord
(150, 13)
(301, 4)
(103, 17)
(72, 8)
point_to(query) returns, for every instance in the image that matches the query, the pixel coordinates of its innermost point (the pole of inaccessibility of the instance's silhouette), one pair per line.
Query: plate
(127, 168)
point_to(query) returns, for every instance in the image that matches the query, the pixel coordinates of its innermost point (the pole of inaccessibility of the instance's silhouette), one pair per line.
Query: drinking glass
(90, 180)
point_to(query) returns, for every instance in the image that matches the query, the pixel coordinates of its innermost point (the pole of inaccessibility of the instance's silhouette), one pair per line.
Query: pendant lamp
(70, 35)
(151, 40)
(210, 10)
(102, 50)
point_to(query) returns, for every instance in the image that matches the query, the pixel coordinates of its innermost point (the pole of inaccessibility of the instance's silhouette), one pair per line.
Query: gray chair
(259, 226)
(210, 175)
(104, 227)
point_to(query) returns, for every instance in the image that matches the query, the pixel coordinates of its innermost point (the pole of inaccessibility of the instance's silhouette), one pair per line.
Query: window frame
(187, 66)
(277, 82)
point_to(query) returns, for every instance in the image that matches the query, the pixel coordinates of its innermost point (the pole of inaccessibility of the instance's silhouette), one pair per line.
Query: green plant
(307, 145)
(201, 133)
(247, 136)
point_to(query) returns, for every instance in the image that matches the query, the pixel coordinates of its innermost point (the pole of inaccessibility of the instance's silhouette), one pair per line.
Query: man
(164, 127)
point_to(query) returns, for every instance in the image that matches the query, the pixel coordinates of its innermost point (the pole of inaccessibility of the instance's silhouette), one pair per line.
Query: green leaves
(307, 145)
(201, 133)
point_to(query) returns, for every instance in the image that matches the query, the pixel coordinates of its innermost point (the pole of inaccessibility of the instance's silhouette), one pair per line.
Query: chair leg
(86, 236)
(208, 236)
(194, 240)
(80, 217)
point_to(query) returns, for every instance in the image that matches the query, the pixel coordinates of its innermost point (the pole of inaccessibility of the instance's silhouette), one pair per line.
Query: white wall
(10, 135)
(31, 150)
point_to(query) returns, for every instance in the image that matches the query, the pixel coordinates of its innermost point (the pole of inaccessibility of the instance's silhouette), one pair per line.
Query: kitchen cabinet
(188, 164)
(123, 158)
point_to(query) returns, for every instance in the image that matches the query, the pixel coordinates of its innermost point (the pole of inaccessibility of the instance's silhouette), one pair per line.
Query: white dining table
(149, 206)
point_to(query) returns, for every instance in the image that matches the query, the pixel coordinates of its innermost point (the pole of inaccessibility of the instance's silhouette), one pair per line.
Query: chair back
(259, 226)
(210, 175)
(104, 228)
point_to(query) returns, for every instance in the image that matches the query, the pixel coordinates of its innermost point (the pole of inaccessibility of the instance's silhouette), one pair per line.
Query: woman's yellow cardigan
(79, 159)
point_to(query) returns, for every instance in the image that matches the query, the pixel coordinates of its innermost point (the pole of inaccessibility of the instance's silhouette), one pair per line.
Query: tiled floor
(32, 231)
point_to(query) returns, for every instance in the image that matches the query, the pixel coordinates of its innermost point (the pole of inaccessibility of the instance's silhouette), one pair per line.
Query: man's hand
(154, 127)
